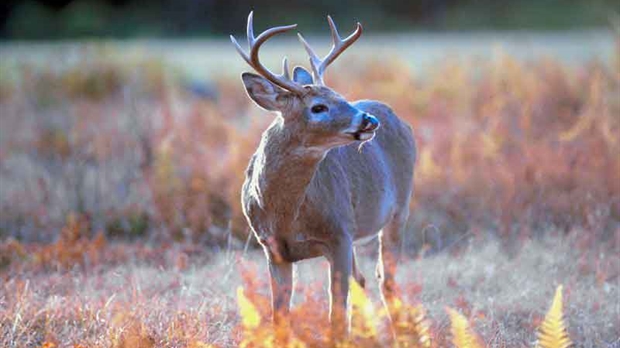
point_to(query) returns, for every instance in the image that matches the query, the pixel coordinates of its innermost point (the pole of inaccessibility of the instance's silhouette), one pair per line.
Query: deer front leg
(281, 275)
(341, 263)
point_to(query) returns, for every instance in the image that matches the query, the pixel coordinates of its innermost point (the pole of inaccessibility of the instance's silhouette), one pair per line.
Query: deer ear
(302, 76)
(264, 93)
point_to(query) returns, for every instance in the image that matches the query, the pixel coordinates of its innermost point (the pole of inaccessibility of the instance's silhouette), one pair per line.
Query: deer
(327, 175)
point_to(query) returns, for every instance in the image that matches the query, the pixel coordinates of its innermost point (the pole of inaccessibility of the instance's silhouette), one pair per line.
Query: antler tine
(285, 71)
(240, 50)
(315, 61)
(250, 29)
(333, 29)
(253, 60)
(339, 46)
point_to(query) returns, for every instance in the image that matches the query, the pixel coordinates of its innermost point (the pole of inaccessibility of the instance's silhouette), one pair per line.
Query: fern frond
(552, 332)
(411, 327)
(260, 334)
(363, 314)
(420, 326)
(462, 335)
(250, 317)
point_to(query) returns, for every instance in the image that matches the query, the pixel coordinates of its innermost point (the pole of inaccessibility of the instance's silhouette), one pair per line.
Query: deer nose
(369, 123)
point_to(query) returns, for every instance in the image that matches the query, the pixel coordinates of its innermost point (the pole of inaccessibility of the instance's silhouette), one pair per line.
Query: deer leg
(359, 277)
(389, 254)
(341, 264)
(281, 275)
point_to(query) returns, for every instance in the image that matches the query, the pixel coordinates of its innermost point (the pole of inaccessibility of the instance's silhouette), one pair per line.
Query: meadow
(121, 225)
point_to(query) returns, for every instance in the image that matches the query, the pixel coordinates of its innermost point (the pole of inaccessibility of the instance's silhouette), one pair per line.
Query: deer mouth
(367, 128)
(362, 135)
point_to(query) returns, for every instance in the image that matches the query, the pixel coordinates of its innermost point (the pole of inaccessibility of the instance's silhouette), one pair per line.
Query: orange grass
(149, 299)
(105, 152)
(504, 145)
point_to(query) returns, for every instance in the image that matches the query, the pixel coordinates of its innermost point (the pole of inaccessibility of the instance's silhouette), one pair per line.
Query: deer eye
(317, 109)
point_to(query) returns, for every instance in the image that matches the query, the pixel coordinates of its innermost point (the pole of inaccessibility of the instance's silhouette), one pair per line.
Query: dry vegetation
(179, 296)
(120, 223)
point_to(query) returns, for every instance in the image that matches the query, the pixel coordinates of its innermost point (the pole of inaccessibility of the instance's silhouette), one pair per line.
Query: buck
(327, 173)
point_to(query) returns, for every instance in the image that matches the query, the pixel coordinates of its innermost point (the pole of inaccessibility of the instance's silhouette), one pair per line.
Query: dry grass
(175, 297)
(120, 185)
(506, 146)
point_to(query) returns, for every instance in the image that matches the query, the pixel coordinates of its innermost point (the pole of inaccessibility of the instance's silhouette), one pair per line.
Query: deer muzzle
(369, 123)
(367, 128)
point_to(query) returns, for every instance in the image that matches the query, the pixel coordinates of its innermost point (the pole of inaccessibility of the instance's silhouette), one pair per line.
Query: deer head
(313, 112)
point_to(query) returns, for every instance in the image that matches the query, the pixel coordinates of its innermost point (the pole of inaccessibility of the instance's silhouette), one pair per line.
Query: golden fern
(462, 335)
(552, 332)
(363, 314)
(250, 317)
(420, 326)
(410, 325)
(257, 334)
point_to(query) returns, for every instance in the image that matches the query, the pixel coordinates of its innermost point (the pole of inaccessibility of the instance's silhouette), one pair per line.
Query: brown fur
(305, 200)
(312, 188)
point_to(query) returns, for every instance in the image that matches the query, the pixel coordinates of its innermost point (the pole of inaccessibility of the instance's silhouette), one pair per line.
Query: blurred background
(71, 19)
(125, 133)
(127, 118)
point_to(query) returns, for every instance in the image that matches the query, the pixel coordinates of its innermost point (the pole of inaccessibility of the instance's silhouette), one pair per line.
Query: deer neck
(283, 169)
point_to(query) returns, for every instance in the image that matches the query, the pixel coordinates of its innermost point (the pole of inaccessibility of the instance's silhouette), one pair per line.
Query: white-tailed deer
(312, 188)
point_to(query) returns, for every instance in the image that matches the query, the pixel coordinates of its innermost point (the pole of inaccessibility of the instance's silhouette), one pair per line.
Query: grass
(132, 148)
(175, 297)
(120, 223)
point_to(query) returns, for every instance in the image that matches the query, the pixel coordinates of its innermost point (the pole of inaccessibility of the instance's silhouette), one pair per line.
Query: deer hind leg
(389, 255)
(357, 275)
(281, 275)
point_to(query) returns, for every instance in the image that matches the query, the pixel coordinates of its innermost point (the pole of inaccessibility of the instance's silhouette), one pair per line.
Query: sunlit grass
(152, 298)
(504, 145)
(120, 200)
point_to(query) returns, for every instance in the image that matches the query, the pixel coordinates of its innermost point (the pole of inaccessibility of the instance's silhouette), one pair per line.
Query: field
(121, 226)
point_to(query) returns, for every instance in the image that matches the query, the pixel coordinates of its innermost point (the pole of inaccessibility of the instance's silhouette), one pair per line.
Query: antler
(339, 46)
(254, 43)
